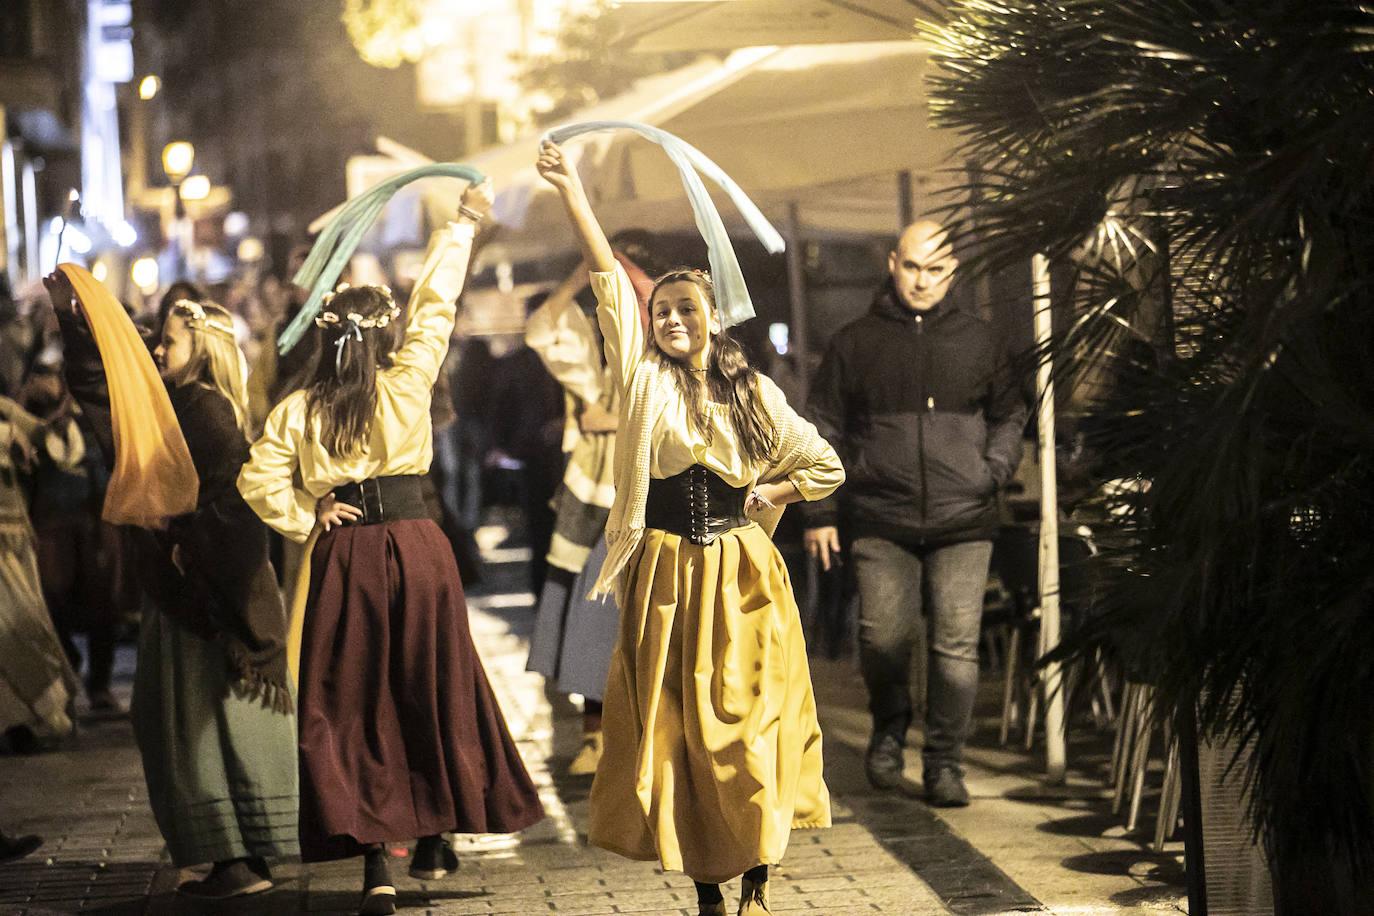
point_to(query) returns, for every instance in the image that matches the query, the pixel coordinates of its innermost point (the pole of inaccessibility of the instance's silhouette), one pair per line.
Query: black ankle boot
(433, 858)
(379, 894)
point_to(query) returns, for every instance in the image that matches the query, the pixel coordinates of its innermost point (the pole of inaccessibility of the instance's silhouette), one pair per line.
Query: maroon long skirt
(400, 734)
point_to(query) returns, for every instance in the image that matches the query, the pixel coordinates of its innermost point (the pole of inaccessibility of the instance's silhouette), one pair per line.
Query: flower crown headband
(379, 320)
(356, 322)
(196, 317)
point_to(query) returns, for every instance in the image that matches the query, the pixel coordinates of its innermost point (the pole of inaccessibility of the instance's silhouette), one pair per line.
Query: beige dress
(37, 684)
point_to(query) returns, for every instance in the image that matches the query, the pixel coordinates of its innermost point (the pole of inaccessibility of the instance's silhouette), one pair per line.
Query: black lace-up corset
(695, 504)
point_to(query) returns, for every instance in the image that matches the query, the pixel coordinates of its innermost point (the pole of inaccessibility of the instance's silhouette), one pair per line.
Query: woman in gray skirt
(213, 712)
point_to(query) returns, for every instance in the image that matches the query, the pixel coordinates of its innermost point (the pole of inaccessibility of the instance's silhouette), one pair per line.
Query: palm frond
(1201, 173)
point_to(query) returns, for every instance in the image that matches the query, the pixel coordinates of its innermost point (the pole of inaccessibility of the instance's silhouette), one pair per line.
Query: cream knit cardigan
(798, 446)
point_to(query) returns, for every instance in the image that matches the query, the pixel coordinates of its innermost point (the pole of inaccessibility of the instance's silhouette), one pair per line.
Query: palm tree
(1203, 171)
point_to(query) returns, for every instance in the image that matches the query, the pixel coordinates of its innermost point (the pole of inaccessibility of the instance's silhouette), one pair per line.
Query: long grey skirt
(574, 636)
(221, 769)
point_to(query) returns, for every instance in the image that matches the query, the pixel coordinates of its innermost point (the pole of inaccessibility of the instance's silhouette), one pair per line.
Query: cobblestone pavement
(1019, 848)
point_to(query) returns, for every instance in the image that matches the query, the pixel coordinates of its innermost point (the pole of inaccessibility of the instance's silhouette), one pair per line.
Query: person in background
(37, 683)
(75, 560)
(929, 421)
(412, 742)
(712, 751)
(574, 635)
(524, 412)
(213, 712)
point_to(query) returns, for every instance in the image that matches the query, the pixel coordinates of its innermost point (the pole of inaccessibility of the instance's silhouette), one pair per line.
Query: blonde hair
(216, 360)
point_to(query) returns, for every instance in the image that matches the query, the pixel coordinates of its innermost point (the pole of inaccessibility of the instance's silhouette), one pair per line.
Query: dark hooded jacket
(927, 417)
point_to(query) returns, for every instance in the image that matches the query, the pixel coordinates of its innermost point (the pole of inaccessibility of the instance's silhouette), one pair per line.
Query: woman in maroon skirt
(400, 735)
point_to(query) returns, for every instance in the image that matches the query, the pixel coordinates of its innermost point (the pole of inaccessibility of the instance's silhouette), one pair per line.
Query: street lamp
(195, 187)
(177, 159)
(144, 274)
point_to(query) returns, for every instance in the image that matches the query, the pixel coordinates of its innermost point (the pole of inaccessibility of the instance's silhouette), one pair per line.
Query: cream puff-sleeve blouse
(289, 470)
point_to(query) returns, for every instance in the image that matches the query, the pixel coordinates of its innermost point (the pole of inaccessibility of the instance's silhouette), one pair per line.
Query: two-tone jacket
(928, 419)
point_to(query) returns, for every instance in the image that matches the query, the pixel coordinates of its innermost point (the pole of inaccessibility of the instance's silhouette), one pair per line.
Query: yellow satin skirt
(712, 749)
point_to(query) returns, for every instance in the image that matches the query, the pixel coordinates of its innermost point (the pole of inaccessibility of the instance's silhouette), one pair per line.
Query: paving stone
(103, 851)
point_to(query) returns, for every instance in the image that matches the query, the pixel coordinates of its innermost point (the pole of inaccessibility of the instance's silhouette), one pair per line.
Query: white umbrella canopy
(689, 25)
(822, 129)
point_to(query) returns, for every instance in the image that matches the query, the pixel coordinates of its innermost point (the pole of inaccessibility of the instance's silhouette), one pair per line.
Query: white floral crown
(196, 317)
(379, 320)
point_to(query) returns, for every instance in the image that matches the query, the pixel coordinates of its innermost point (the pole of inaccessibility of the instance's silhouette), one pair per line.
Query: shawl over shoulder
(798, 446)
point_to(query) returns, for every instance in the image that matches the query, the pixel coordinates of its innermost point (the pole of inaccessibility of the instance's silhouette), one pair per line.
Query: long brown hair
(342, 390)
(729, 379)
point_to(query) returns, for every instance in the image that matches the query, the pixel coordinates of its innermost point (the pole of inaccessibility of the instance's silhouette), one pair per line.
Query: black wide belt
(385, 499)
(695, 504)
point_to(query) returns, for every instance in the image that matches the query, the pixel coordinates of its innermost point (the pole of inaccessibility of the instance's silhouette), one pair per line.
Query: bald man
(916, 397)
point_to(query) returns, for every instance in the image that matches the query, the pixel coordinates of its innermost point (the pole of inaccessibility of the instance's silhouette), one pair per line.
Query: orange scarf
(153, 478)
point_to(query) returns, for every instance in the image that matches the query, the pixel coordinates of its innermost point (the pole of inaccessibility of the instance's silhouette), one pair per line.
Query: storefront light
(77, 240)
(124, 234)
(177, 159)
(144, 274)
(196, 187)
(251, 249)
(236, 223)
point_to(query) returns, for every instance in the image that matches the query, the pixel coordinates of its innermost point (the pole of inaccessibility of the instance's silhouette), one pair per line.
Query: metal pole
(1055, 732)
(796, 288)
(906, 207)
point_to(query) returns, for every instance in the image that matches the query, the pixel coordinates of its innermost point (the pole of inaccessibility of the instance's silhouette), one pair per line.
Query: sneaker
(945, 787)
(884, 763)
(433, 859)
(378, 901)
(226, 880)
(379, 894)
(584, 764)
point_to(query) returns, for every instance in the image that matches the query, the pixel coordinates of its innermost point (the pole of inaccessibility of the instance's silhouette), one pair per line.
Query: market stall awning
(821, 131)
(693, 25)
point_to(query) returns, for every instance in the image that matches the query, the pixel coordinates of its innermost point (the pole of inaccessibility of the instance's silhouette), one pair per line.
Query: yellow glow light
(250, 249)
(144, 274)
(100, 271)
(177, 159)
(149, 87)
(197, 187)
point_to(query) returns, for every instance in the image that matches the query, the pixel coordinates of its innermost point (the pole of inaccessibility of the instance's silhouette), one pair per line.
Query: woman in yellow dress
(712, 751)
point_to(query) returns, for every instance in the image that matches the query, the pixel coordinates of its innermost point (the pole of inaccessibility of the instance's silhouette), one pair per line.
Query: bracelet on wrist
(465, 211)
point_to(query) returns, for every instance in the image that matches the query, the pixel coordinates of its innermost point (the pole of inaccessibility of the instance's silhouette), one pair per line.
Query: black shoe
(945, 787)
(22, 740)
(884, 762)
(226, 880)
(103, 703)
(18, 846)
(378, 901)
(379, 894)
(258, 866)
(433, 859)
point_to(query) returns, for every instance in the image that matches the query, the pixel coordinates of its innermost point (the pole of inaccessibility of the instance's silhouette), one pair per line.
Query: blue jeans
(901, 588)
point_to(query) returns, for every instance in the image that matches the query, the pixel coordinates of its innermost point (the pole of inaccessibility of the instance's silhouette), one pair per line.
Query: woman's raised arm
(556, 170)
